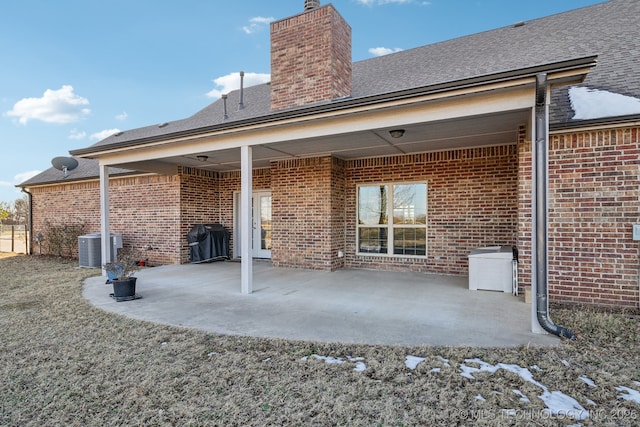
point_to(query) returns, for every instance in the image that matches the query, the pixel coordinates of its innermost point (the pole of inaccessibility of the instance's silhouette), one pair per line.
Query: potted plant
(120, 274)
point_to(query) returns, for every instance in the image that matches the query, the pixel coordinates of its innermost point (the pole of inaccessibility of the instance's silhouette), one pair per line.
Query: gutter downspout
(541, 219)
(30, 196)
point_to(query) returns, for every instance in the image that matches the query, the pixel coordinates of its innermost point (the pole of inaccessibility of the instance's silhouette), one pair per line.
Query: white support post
(246, 220)
(105, 238)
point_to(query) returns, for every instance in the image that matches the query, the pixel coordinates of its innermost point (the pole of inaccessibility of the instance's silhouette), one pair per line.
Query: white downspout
(105, 239)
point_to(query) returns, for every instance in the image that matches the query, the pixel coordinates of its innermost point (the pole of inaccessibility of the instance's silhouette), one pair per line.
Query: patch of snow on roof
(594, 104)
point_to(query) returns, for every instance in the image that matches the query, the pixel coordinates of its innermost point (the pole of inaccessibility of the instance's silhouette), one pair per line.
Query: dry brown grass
(66, 363)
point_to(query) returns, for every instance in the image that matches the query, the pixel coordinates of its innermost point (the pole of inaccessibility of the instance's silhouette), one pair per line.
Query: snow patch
(444, 361)
(557, 402)
(412, 362)
(523, 398)
(594, 104)
(588, 381)
(631, 394)
(561, 404)
(480, 398)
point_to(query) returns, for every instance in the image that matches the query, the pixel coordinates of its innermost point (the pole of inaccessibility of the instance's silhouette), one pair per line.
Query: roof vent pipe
(541, 222)
(241, 104)
(311, 4)
(224, 105)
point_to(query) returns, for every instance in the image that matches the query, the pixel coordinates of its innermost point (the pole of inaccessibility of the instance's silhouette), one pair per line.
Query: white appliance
(491, 269)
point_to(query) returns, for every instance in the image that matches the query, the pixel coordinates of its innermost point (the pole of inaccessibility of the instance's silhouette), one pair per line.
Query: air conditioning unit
(90, 252)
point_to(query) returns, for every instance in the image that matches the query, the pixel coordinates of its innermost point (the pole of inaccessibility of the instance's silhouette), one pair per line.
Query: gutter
(30, 197)
(614, 121)
(344, 104)
(541, 220)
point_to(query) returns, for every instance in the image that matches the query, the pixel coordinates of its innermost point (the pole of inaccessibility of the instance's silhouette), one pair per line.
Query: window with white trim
(392, 219)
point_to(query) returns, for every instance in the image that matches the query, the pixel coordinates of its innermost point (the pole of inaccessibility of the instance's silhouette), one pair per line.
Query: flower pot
(124, 289)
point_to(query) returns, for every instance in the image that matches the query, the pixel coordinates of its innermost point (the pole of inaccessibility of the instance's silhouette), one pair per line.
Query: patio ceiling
(492, 129)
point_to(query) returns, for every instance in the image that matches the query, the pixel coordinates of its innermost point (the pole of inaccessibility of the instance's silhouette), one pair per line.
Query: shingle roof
(609, 30)
(87, 169)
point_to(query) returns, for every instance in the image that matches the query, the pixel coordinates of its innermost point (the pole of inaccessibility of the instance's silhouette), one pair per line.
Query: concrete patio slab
(349, 306)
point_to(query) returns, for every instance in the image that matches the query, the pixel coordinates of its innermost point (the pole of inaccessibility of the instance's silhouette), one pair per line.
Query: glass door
(261, 225)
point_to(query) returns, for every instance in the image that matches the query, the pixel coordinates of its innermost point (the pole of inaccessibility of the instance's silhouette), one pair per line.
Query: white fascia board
(435, 107)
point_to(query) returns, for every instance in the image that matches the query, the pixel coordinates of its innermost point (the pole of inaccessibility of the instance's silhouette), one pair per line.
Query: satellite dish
(64, 164)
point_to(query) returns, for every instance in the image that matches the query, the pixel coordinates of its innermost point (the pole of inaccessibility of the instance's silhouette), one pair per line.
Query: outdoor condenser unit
(89, 251)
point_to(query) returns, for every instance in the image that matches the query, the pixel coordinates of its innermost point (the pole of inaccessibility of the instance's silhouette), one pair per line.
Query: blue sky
(74, 71)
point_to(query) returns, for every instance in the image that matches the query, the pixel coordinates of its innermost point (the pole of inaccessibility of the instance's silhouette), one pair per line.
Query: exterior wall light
(396, 133)
(202, 158)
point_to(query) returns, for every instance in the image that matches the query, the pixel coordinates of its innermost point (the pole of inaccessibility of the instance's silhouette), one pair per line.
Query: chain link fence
(14, 238)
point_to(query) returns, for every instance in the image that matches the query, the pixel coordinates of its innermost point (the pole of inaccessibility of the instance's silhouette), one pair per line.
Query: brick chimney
(310, 57)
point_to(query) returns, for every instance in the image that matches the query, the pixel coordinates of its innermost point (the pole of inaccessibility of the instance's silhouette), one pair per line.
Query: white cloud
(122, 116)
(257, 24)
(55, 106)
(23, 176)
(104, 134)
(226, 84)
(76, 134)
(594, 104)
(380, 51)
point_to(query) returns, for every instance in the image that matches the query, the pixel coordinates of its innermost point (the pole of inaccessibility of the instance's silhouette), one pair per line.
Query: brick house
(402, 162)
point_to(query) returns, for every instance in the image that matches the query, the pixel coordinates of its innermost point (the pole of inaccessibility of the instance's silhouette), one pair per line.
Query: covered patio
(348, 306)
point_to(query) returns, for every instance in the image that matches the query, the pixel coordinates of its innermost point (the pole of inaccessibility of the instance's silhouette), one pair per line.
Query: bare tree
(21, 211)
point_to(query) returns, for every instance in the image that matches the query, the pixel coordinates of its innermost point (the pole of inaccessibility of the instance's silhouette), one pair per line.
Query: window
(392, 219)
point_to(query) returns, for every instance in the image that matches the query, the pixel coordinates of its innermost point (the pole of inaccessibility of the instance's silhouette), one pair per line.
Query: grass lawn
(64, 362)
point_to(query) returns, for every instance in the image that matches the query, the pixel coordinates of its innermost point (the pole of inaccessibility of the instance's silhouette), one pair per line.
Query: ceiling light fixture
(202, 158)
(396, 133)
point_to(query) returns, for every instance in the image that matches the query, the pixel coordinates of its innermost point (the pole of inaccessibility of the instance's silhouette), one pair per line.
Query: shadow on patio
(349, 306)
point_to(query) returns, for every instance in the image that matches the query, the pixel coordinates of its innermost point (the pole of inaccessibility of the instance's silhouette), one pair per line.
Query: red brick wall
(144, 209)
(525, 225)
(338, 217)
(472, 202)
(302, 208)
(594, 199)
(310, 58)
(476, 197)
(75, 203)
(199, 203)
